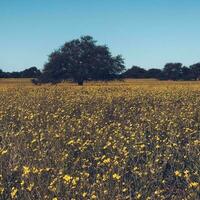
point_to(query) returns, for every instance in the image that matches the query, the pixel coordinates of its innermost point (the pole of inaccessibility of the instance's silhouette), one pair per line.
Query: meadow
(136, 139)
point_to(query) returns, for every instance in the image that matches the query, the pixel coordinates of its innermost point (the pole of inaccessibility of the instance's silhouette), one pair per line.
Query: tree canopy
(80, 60)
(172, 71)
(136, 72)
(195, 70)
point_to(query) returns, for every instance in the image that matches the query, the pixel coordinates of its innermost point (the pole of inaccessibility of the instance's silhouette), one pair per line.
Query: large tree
(80, 60)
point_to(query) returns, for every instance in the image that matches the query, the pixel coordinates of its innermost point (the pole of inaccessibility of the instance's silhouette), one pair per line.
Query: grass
(137, 139)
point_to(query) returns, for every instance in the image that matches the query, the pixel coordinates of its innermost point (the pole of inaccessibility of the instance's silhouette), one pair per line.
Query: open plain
(133, 139)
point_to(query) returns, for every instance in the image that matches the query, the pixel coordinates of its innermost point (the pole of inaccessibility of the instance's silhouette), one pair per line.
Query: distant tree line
(83, 59)
(31, 72)
(171, 71)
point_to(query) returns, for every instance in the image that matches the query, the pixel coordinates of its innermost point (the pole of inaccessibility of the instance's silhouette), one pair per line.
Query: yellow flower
(106, 161)
(55, 198)
(84, 194)
(142, 146)
(93, 196)
(186, 173)
(35, 170)
(33, 141)
(71, 142)
(193, 185)
(156, 192)
(105, 191)
(163, 181)
(67, 178)
(30, 187)
(75, 180)
(14, 192)
(157, 146)
(116, 176)
(26, 171)
(52, 186)
(138, 196)
(177, 173)
(1, 190)
(86, 174)
(135, 168)
(16, 168)
(4, 152)
(124, 190)
(105, 177)
(22, 183)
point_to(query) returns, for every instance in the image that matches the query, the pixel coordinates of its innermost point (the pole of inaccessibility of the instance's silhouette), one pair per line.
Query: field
(135, 139)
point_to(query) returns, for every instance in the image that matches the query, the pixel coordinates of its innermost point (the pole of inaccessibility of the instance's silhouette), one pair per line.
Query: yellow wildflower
(106, 161)
(26, 171)
(116, 176)
(138, 196)
(67, 178)
(177, 173)
(71, 142)
(14, 192)
(1, 190)
(4, 152)
(93, 196)
(75, 180)
(84, 194)
(30, 187)
(193, 185)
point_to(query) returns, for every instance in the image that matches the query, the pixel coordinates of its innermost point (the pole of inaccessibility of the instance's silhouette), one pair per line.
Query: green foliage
(82, 59)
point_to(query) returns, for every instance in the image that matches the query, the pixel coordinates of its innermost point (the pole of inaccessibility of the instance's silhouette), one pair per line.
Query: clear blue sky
(147, 33)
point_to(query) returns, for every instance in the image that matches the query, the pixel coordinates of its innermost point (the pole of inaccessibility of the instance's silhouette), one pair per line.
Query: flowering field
(120, 140)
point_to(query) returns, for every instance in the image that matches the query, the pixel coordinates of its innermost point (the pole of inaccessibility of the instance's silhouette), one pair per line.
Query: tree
(172, 71)
(80, 60)
(187, 74)
(154, 73)
(1, 74)
(195, 69)
(31, 72)
(13, 74)
(135, 72)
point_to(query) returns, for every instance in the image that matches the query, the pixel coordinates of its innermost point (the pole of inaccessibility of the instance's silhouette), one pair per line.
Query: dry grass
(136, 139)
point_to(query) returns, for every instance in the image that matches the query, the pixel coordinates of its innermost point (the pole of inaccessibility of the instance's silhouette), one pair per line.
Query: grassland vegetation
(119, 140)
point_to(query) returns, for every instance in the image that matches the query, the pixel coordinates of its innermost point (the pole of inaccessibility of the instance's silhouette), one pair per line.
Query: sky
(147, 33)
